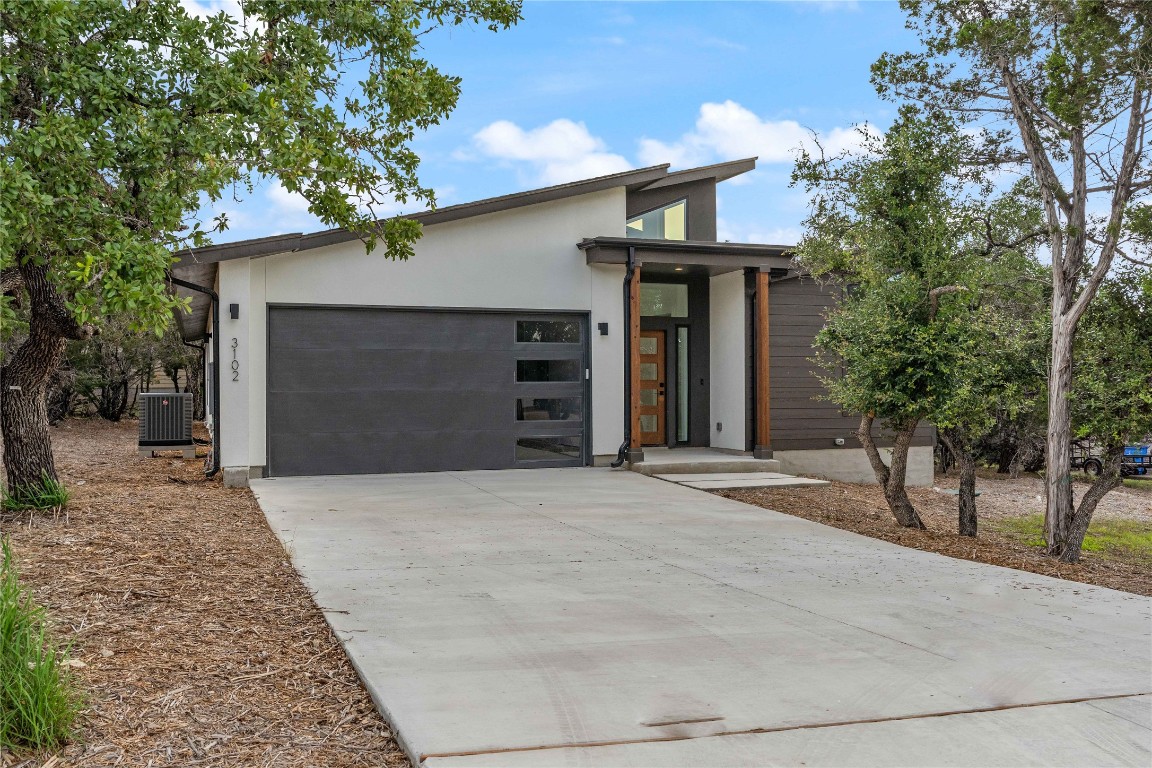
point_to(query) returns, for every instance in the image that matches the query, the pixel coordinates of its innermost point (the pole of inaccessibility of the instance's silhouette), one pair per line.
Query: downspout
(212, 470)
(622, 452)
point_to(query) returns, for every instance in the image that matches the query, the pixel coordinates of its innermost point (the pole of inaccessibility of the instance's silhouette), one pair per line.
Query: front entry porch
(696, 345)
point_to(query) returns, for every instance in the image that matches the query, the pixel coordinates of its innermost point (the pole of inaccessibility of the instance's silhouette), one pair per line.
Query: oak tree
(1061, 89)
(122, 117)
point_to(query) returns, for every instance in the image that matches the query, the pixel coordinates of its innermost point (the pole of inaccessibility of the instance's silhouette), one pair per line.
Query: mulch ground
(199, 644)
(861, 509)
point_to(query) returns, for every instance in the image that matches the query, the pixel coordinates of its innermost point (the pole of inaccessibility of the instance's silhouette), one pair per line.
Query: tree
(122, 116)
(883, 225)
(998, 362)
(1062, 87)
(1112, 386)
(931, 266)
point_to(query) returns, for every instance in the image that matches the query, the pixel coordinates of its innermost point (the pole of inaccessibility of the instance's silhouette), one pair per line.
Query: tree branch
(934, 298)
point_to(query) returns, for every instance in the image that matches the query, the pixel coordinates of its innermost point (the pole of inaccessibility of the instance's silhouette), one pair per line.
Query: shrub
(47, 494)
(38, 702)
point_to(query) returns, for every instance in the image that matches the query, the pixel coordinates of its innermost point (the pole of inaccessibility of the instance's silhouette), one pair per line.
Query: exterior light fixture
(679, 269)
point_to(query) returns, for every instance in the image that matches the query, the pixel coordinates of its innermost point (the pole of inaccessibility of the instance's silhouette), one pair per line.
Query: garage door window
(548, 408)
(548, 370)
(547, 332)
(548, 448)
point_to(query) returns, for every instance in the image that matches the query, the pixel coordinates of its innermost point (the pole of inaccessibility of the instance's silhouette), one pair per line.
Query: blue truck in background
(1137, 460)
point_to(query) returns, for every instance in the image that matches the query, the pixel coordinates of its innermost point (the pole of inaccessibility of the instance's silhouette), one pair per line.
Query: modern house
(574, 325)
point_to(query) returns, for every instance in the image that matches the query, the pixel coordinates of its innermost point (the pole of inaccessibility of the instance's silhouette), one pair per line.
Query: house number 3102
(235, 362)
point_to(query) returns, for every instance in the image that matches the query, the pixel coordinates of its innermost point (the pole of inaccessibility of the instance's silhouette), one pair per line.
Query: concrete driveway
(594, 617)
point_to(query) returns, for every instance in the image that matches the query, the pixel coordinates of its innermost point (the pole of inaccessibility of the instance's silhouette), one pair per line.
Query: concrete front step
(712, 481)
(714, 464)
(736, 464)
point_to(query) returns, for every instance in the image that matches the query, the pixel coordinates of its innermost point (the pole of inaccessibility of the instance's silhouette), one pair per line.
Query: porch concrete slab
(776, 482)
(546, 610)
(660, 461)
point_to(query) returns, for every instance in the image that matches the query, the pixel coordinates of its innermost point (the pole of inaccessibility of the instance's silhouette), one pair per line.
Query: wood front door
(652, 415)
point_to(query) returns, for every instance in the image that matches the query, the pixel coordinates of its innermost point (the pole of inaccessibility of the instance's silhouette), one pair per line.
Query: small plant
(38, 702)
(47, 494)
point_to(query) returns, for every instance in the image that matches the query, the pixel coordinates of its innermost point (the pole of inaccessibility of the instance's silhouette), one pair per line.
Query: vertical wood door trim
(634, 336)
(763, 371)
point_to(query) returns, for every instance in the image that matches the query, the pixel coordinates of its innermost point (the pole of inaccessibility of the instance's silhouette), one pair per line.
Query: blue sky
(580, 89)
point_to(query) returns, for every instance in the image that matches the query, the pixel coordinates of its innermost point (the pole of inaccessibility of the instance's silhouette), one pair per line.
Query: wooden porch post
(763, 443)
(634, 449)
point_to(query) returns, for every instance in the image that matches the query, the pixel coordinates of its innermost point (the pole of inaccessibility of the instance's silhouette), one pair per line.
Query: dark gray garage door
(353, 391)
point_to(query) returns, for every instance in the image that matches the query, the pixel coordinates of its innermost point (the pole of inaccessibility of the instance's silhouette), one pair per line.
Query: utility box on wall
(166, 423)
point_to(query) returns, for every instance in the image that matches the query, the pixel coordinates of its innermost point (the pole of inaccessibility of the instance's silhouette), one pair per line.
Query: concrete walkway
(601, 618)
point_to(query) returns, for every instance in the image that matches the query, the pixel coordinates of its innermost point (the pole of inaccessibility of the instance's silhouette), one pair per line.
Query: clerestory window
(667, 223)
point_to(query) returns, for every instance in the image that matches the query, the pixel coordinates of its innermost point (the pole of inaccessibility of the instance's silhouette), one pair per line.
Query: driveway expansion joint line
(778, 729)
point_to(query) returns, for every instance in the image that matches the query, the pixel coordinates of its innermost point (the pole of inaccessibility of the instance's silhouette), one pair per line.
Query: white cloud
(729, 131)
(558, 152)
(286, 202)
(204, 9)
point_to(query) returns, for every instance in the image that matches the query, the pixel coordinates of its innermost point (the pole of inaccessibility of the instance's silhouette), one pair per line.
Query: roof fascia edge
(719, 172)
(265, 246)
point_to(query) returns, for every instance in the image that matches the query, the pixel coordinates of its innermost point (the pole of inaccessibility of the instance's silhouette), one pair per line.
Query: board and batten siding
(801, 419)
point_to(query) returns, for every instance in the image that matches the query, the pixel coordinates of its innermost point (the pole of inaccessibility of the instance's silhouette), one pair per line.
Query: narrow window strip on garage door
(356, 390)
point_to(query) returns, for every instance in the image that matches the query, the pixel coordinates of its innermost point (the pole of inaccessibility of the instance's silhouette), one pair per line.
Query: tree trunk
(1006, 460)
(28, 459)
(1058, 453)
(892, 479)
(962, 451)
(27, 446)
(1108, 479)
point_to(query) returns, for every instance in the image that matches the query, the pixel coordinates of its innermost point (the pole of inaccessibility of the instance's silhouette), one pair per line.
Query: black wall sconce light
(603, 327)
(234, 311)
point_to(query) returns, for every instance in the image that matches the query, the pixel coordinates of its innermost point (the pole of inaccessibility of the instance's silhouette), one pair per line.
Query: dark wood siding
(800, 418)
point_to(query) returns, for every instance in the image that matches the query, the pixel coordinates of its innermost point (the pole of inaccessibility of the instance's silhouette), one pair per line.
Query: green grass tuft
(1107, 537)
(38, 701)
(47, 494)
(1138, 483)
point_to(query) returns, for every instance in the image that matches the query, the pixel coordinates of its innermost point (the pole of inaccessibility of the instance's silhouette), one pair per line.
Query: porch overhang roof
(699, 256)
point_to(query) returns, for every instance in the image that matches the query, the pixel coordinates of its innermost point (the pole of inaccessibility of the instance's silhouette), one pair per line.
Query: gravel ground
(199, 643)
(861, 508)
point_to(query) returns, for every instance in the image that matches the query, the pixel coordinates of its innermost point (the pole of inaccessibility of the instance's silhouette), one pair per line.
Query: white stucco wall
(522, 259)
(607, 352)
(726, 360)
(235, 279)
